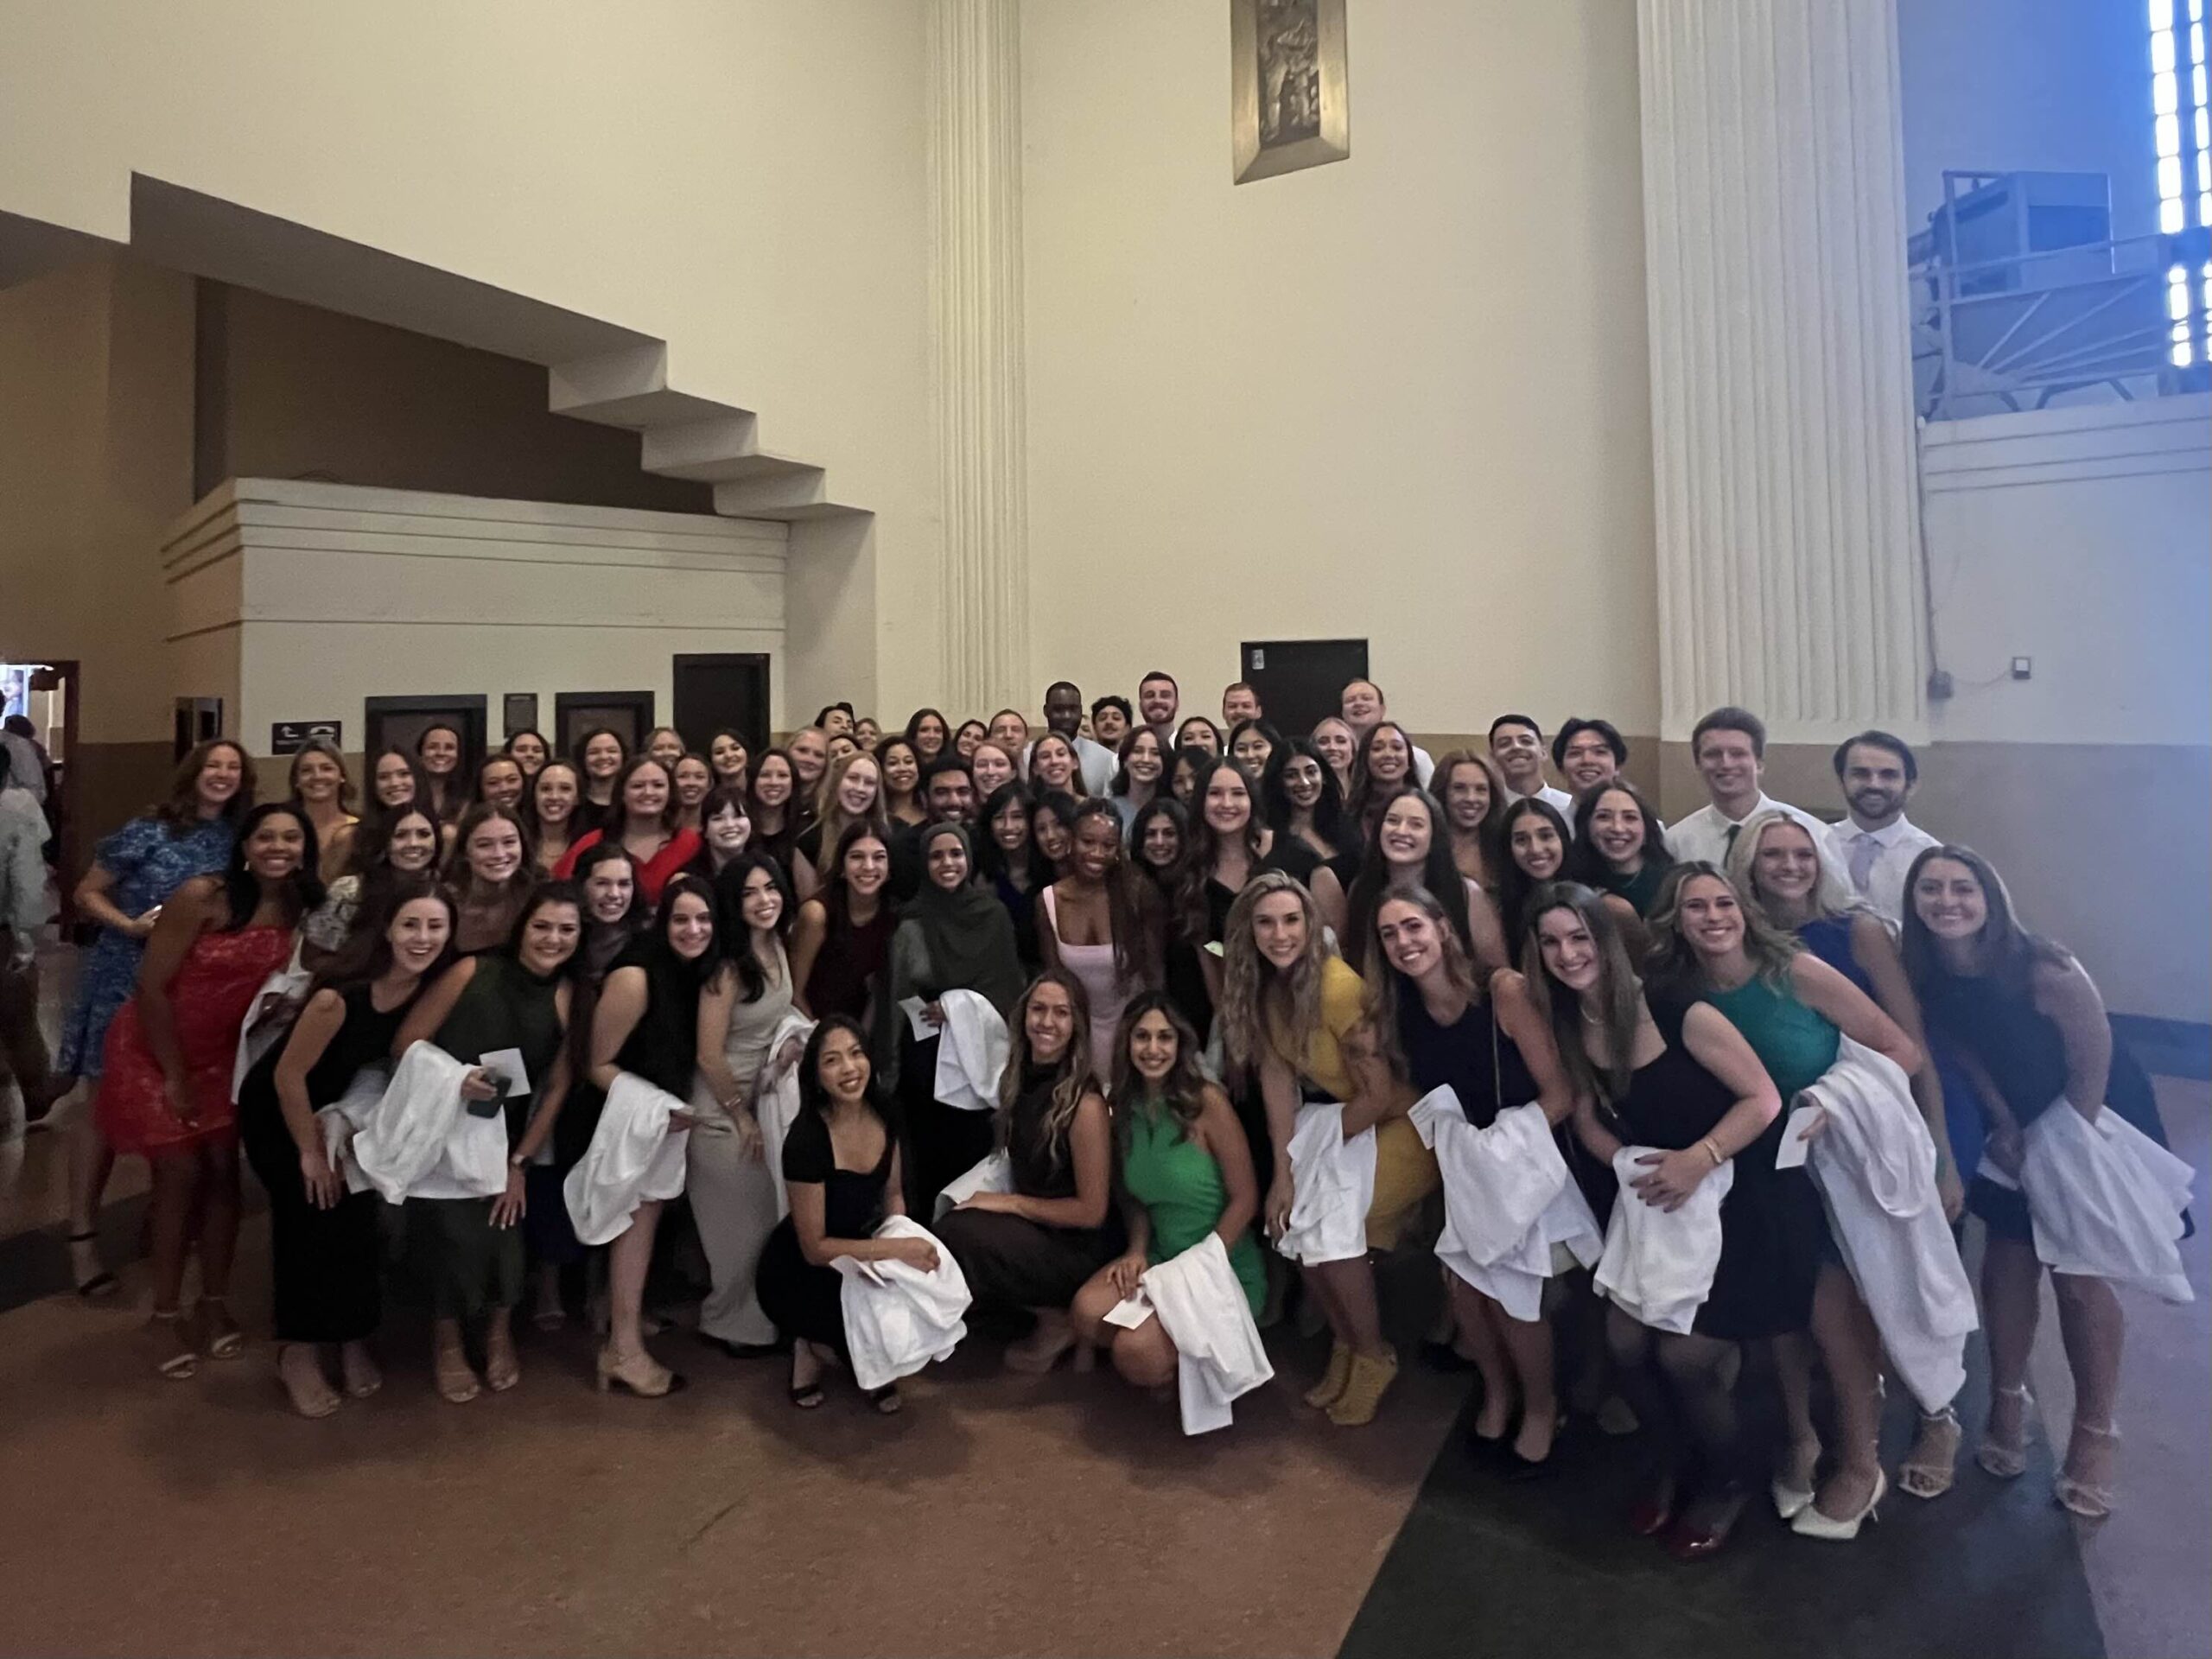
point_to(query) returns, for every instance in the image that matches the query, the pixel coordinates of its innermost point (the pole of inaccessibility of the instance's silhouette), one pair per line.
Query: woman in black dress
(841, 940)
(1678, 1077)
(646, 1023)
(1006, 860)
(1412, 846)
(1036, 1246)
(840, 1169)
(325, 1258)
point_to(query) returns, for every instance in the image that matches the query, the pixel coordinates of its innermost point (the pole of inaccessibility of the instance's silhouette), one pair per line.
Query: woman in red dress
(643, 819)
(165, 1090)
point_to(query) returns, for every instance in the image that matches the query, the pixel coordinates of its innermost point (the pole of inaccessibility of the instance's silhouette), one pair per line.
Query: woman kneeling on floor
(1036, 1246)
(1185, 1170)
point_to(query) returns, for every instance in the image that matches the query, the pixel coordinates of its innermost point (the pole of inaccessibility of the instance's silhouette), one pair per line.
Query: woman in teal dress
(1184, 1170)
(1794, 1010)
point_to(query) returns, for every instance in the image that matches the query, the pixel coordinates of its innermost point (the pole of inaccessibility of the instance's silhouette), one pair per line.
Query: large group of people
(1302, 994)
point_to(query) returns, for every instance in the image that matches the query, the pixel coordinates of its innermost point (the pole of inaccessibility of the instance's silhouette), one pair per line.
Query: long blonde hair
(1252, 988)
(830, 812)
(1071, 1078)
(1831, 896)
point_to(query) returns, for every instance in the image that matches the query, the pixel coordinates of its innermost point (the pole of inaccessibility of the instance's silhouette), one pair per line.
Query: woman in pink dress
(165, 1087)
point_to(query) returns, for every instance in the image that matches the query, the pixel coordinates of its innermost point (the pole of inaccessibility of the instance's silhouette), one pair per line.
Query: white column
(1781, 370)
(975, 109)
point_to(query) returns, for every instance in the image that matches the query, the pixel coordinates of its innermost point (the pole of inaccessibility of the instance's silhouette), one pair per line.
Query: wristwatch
(519, 1161)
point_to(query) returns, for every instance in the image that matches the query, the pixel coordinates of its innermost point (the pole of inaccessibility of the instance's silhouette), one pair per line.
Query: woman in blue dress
(133, 872)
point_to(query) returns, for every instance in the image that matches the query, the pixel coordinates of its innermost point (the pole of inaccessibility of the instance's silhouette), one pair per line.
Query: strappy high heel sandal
(178, 1359)
(225, 1340)
(1997, 1458)
(2079, 1497)
(1932, 1466)
(99, 1283)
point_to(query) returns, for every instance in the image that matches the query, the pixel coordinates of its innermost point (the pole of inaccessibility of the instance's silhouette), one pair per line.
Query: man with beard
(1877, 772)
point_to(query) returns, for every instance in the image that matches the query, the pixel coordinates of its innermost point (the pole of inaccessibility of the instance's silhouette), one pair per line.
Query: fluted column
(1782, 440)
(975, 109)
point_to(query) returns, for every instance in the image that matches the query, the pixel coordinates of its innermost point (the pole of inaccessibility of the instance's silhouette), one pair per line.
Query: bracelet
(519, 1161)
(1712, 1151)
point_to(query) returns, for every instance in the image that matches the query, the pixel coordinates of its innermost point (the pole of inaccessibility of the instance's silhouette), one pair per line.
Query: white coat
(992, 1174)
(776, 1109)
(634, 1158)
(2106, 1200)
(341, 1120)
(1332, 1188)
(420, 1142)
(1507, 1200)
(1875, 1167)
(1201, 1305)
(971, 1053)
(1658, 1264)
(275, 1006)
(898, 1318)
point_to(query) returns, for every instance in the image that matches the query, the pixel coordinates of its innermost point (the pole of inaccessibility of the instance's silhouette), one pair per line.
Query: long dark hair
(457, 872)
(1162, 805)
(1439, 873)
(1367, 802)
(1202, 846)
(1617, 990)
(669, 972)
(589, 860)
(420, 780)
(1182, 1090)
(1584, 863)
(534, 825)
(837, 897)
(2008, 951)
(303, 889)
(1331, 822)
(990, 858)
(812, 1097)
(179, 810)
(1071, 1078)
(1122, 780)
(734, 932)
(366, 955)
(553, 893)
(618, 807)
(913, 725)
(443, 792)
(1515, 885)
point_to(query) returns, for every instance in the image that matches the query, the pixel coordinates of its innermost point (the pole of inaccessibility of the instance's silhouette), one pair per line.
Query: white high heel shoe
(1811, 1524)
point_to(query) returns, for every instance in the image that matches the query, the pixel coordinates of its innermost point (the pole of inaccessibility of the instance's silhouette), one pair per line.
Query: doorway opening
(1302, 681)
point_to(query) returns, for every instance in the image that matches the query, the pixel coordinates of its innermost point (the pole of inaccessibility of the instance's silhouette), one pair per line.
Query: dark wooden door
(721, 689)
(628, 714)
(399, 722)
(1299, 681)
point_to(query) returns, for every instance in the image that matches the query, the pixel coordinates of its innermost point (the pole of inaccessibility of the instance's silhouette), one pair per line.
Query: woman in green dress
(1183, 1170)
(1794, 1010)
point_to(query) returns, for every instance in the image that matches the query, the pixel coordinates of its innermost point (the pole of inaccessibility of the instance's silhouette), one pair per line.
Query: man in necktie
(1877, 772)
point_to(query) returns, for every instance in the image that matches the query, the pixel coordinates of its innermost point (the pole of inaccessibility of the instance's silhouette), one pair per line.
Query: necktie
(1729, 846)
(1864, 851)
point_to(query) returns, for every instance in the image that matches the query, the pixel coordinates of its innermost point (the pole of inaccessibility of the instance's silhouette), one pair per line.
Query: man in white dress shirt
(1363, 708)
(1729, 745)
(1064, 715)
(1516, 743)
(1159, 699)
(1588, 753)
(1877, 772)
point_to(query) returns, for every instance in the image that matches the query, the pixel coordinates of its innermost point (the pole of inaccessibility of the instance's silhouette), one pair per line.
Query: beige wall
(309, 393)
(1401, 396)
(744, 179)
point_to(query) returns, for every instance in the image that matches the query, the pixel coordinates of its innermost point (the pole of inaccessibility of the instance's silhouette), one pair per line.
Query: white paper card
(507, 1064)
(1791, 1154)
(916, 1010)
(1130, 1311)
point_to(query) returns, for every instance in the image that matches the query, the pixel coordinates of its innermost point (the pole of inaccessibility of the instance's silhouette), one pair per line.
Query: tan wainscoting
(2100, 844)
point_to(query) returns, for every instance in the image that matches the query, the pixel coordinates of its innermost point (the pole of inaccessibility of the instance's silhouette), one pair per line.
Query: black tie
(1734, 830)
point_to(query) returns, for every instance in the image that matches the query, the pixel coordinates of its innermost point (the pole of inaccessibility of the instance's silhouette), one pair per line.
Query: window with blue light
(2184, 128)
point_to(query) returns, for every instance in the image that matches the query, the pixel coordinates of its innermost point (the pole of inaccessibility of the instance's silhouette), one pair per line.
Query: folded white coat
(634, 1158)
(420, 1142)
(341, 1120)
(270, 1017)
(1658, 1264)
(1507, 1200)
(898, 1318)
(2106, 1200)
(992, 1174)
(971, 1053)
(1201, 1307)
(776, 1109)
(1875, 1165)
(1332, 1188)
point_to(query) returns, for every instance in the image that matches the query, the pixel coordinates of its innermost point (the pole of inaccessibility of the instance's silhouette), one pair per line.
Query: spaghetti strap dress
(1092, 964)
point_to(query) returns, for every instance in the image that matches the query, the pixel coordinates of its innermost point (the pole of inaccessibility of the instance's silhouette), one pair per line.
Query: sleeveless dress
(804, 1300)
(147, 863)
(851, 961)
(326, 1265)
(1092, 964)
(734, 1196)
(2020, 1047)
(461, 1262)
(210, 995)
(1479, 1062)
(1009, 1261)
(1641, 890)
(1673, 1101)
(1179, 1183)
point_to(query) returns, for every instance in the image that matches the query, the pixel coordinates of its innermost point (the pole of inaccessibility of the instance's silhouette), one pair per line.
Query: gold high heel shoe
(639, 1374)
(2007, 1462)
(2078, 1496)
